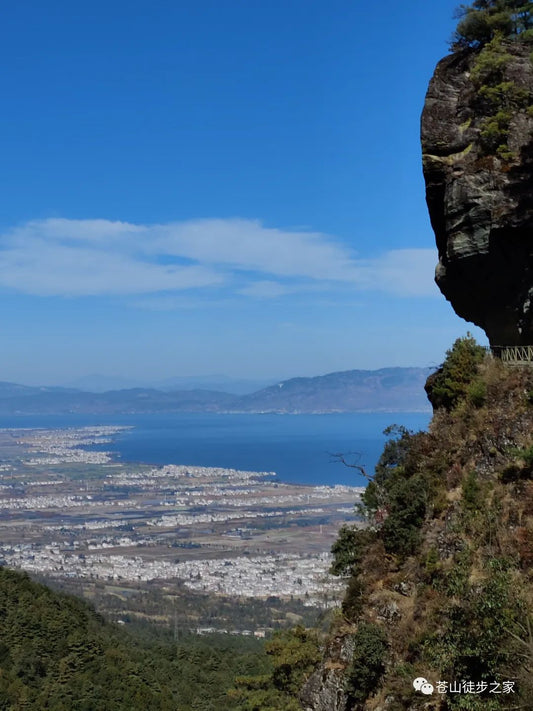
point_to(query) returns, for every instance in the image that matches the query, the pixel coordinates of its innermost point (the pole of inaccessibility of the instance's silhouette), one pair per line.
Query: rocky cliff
(439, 583)
(477, 143)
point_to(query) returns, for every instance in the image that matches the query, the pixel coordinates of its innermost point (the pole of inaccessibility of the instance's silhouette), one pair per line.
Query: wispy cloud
(404, 272)
(101, 257)
(265, 289)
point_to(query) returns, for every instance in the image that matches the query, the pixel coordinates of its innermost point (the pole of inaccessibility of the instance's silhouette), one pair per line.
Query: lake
(297, 447)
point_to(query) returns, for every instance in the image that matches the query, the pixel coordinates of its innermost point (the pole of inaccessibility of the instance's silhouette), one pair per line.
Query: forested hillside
(56, 653)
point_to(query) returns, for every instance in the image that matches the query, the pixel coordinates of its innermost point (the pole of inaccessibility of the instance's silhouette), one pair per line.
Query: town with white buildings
(69, 510)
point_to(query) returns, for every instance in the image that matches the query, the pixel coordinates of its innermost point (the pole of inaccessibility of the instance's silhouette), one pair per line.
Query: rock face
(480, 199)
(446, 596)
(325, 690)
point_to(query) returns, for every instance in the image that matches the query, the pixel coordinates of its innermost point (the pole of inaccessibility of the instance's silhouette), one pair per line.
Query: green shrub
(399, 493)
(294, 654)
(348, 549)
(506, 93)
(471, 489)
(449, 385)
(499, 97)
(476, 642)
(489, 67)
(432, 563)
(494, 130)
(477, 393)
(393, 458)
(368, 662)
(505, 153)
(407, 509)
(454, 582)
(352, 603)
(395, 451)
(527, 456)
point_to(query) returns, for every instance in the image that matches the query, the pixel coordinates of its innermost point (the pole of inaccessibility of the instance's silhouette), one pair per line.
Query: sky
(217, 186)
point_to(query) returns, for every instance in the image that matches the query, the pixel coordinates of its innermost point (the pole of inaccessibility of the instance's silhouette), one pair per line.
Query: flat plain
(71, 513)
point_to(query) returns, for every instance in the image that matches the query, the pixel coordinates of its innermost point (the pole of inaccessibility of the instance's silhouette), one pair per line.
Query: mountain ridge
(385, 389)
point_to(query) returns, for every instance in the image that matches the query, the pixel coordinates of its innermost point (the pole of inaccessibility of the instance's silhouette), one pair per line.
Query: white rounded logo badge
(423, 685)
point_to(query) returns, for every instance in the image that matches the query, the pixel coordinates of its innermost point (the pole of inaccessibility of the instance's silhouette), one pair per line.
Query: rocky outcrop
(325, 690)
(453, 607)
(480, 194)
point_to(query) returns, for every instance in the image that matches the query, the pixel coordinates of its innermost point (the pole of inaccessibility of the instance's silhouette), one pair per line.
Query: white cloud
(264, 289)
(52, 270)
(247, 245)
(96, 257)
(175, 302)
(405, 272)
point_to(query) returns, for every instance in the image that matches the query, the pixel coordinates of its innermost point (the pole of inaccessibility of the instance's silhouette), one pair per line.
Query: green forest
(57, 653)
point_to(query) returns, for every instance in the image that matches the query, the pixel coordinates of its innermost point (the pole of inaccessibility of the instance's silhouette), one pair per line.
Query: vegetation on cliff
(293, 654)
(477, 143)
(491, 27)
(439, 583)
(483, 20)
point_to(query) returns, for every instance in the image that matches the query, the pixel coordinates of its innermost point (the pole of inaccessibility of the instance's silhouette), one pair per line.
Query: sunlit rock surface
(480, 204)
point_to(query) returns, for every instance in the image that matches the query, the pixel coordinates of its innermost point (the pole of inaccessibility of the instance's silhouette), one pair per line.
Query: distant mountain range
(237, 386)
(384, 390)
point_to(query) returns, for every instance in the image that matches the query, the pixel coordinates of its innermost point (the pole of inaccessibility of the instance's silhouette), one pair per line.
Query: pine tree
(481, 21)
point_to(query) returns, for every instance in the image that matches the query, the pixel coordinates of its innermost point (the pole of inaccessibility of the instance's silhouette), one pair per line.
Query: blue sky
(221, 186)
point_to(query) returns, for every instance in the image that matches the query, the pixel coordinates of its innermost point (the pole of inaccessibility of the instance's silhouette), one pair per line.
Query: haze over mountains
(97, 383)
(387, 389)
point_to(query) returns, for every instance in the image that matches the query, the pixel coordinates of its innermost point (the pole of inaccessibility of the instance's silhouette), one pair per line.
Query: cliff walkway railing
(514, 355)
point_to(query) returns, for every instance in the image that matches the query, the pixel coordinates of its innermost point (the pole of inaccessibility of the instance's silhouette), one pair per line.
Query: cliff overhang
(477, 146)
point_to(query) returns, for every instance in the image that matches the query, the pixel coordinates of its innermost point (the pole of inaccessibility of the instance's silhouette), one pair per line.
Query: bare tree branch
(340, 457)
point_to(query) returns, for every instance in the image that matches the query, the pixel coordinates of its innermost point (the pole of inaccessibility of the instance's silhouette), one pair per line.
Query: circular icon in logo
(418, 682)
(423, 685)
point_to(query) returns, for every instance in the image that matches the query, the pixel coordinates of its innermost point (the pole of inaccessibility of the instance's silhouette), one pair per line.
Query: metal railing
(514, 355)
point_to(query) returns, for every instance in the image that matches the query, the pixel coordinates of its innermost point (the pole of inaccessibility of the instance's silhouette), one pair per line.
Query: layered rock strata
(480, 196)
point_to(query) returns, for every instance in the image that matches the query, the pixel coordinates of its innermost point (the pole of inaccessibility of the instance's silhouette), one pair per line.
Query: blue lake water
(297, 447)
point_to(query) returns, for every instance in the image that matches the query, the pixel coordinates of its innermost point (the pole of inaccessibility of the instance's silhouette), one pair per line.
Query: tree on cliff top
(456, 379)
(484, 19)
